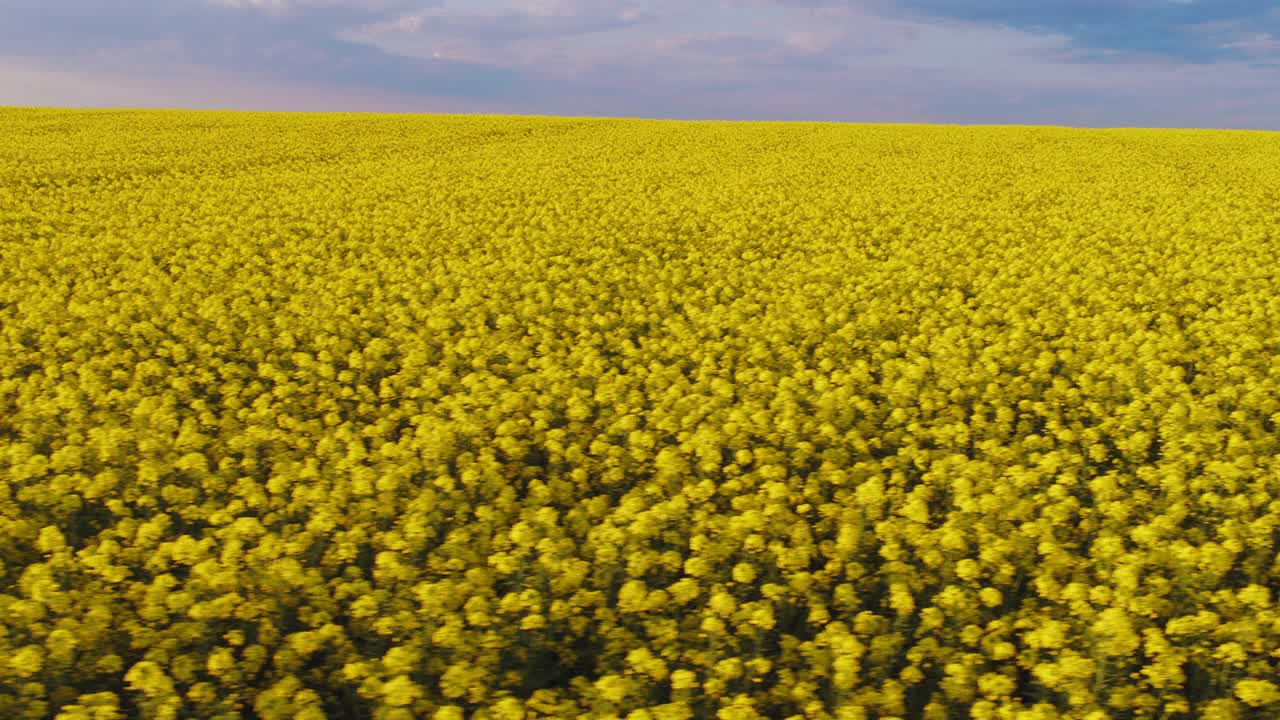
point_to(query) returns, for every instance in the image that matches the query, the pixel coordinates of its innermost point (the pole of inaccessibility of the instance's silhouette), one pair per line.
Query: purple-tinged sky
(1099, 63)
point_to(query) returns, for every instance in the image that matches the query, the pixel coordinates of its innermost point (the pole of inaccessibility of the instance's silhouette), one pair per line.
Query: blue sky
(1099, 63)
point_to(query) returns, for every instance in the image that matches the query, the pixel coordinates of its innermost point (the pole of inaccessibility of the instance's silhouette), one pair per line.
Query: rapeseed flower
(427, 416)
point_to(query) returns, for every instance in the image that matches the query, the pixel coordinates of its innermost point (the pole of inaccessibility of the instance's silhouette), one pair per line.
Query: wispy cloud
(1256, 38)
(1096, 62)
(198, 87)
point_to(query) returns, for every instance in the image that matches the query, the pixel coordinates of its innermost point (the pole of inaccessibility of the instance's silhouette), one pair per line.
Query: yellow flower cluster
(391, 417)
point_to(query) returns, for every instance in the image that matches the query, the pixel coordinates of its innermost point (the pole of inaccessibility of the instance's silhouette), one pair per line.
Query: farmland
(390, 416)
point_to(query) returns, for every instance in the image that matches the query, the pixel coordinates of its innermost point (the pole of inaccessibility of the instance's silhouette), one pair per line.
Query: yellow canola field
(376, 416)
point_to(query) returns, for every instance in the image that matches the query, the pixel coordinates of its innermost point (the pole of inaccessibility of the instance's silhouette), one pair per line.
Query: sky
(1084, 63)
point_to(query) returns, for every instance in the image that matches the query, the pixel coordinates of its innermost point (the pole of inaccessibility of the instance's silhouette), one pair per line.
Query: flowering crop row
(364, 416)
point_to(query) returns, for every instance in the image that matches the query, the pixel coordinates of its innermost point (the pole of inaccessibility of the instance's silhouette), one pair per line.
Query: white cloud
(1247, 39)
(1259, 44)
(25, 83)
(285, 8)
(509, 33)
(288, 4)
(836, 59)
(771, 58)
